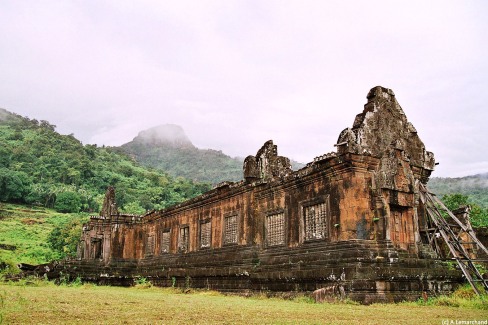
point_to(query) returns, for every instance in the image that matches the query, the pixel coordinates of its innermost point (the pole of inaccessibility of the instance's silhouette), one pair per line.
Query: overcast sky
(235, 74)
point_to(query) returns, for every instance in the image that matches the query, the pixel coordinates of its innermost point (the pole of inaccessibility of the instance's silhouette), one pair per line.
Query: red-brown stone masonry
(140, 241)
(247, 210)
(217, 225)
(151, 230)
(216, 211)
(132, 241)
(347, 189)
(117, 244)
(403, 202)
(354, 204)
(128, 242)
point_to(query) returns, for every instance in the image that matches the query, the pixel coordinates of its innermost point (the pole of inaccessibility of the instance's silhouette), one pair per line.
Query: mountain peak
(165, 135)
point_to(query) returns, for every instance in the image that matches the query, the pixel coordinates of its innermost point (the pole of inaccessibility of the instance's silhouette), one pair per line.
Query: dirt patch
(31, 221)
(31, 210)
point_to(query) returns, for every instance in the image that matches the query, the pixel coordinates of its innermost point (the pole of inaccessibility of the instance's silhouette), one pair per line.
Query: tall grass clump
(463, 297)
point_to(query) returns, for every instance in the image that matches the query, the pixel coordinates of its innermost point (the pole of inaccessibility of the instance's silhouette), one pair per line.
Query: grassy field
(24, 232)
(23, 235)
(45, 303)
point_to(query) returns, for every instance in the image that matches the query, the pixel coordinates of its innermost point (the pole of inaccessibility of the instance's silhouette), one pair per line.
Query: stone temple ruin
(351, 221)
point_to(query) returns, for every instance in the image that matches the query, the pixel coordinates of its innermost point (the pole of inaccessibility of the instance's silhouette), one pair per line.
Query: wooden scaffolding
(459, 237)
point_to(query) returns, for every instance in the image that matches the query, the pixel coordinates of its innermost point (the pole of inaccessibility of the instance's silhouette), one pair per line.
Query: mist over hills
(474, 186)
(167, 147)
(167, 135)
(4, 114)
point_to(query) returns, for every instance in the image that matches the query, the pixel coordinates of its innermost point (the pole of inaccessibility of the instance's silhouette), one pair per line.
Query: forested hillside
(468, 190)
(167, 148)
(475, 186)
(39, 166)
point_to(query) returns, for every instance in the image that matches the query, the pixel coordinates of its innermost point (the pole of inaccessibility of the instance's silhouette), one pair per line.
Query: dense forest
(39, 166)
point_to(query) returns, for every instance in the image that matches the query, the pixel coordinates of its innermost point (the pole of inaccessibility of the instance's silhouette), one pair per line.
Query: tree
(68, 202)
(454, 201)
(133, 208)
(478, 215)
(5, 153)
(41, 193)
(64, 238)
(13, 185)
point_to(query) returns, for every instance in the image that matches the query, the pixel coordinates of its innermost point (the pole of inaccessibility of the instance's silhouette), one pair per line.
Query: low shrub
(142, 283)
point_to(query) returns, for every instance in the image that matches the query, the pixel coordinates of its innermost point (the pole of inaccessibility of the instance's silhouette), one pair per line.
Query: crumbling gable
(266, 165)
(382, 130)
(109, 207)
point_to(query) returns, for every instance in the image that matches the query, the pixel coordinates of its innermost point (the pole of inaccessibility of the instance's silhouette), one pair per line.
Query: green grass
(24, 232)
(34, 301)
(40, 302)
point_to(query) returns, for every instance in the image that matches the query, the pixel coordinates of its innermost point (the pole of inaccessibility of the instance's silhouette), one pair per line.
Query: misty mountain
(167, 147)
(168, 135)
(475, 186)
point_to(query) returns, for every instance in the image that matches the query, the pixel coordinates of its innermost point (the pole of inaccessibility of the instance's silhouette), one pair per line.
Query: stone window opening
(205, 233)
(150, 245)
(165, 241)
(275, 229)
(97, 248)
(315, 221)
(184, 239)
(230, 230)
